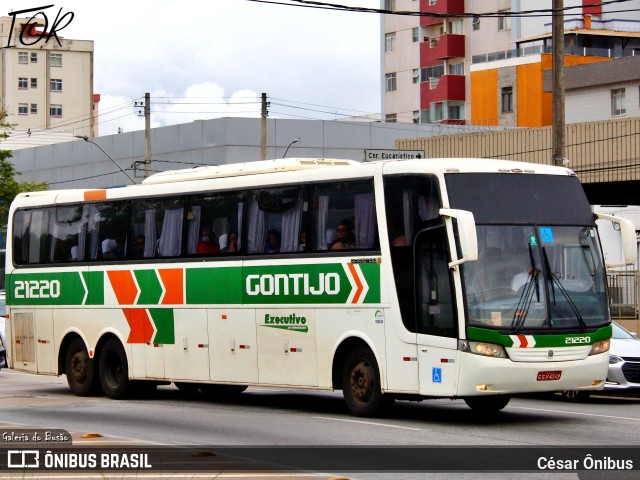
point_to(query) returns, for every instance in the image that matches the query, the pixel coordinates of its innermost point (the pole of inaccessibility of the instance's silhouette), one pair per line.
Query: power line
(345, 8)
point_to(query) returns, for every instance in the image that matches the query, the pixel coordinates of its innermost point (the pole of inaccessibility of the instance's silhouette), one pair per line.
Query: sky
(206, 59)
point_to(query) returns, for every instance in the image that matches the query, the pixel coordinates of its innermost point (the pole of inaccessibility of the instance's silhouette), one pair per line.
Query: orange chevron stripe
(360, 289)
(172, 279)
(124, 286)
(140, 325)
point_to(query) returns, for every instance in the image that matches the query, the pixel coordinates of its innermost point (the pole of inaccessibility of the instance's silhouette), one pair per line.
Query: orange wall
(484, 97)
(530, 103)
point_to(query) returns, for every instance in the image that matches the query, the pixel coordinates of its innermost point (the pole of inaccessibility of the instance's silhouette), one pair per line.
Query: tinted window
(214, 224)
(159, 222)
(108, 224)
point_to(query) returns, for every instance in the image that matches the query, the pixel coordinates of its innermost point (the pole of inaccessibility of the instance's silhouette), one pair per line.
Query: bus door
(436, 327)
(32, 340)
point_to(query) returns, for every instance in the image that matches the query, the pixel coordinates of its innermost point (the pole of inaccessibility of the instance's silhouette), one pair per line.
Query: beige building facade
(46, 81)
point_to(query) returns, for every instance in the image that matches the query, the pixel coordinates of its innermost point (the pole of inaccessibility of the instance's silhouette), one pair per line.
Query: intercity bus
(457, 278)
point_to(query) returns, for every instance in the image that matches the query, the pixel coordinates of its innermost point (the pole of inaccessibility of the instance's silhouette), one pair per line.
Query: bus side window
(107, 230)
(344, 217)
(159, 220)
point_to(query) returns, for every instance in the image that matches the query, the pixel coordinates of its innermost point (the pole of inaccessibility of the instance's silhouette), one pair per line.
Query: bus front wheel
(490, 404)
(361, 386)
(80, 369)
(114, 370)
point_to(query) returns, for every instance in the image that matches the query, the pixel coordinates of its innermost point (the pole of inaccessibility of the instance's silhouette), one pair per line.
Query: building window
(34, 108)
(55, 59)
(391, 118)
(456, 69)
(55, 110)
(56, 84)
(23, 57)
(504, 20)
(456, 111)
(476, 22)
(618, 107)
(34, 83)
(390, 42)
(416, 75)
(416, 116)
(34, 57)
(391, 82)
(455, 27)
(507, 99)
(23, 109)
(23, 83)
(415, 35)
(390, 5)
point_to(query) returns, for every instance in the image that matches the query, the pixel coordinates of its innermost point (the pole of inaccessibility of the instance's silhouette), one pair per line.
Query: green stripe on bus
(150, 288)
(541, 340)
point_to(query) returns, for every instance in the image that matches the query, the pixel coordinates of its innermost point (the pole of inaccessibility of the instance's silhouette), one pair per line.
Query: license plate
(550, 375)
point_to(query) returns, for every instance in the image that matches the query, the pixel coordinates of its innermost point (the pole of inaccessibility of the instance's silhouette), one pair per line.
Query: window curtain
(94, 234)
(37, 229)
(150, 235)
(291, 220)
(407, 216)
(54, 231)
(171, 236)
(239, 232)
(82, 237)
(193, 234)
(365, 220)
(256, 229)
(322, 243)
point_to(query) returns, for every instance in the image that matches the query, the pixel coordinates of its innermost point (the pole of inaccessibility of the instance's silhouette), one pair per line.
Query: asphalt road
(273, 417)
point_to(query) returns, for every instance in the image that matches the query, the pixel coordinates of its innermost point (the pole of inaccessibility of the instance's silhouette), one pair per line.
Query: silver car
(624, 366)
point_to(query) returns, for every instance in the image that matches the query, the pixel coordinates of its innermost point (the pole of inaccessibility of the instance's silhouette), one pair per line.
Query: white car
(624, 366)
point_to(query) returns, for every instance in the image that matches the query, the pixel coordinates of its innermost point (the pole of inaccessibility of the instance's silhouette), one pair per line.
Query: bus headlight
(600, 347)
(487, 349)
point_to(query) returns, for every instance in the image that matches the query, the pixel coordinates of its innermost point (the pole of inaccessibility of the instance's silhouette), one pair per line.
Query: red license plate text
(550, 375)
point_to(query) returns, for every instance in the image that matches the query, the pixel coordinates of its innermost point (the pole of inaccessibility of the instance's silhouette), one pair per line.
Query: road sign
(374, 155)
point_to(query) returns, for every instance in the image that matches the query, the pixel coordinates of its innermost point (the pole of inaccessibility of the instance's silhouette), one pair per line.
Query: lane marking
(376, 424)
(577, 413)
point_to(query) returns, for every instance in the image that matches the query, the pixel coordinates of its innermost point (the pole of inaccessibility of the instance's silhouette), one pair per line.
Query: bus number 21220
(37, 289)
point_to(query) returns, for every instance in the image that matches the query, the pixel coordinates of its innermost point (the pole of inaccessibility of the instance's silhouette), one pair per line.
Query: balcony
(447, 46)
(440, 7)
(447, 87)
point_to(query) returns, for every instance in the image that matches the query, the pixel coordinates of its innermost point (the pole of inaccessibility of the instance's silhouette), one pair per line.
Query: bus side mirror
(467, 235)
(627, 238)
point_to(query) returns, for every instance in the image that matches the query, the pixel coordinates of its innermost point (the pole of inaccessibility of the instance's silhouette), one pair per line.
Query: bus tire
(488, 405)
(114, 370)
(80, 369)
(189, 389)
(361, 385)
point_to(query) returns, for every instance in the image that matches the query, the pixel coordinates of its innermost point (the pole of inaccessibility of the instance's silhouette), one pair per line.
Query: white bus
(458, 278)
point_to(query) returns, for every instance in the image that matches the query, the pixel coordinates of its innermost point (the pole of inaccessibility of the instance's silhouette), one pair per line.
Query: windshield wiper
(553, 279)
(522, 308)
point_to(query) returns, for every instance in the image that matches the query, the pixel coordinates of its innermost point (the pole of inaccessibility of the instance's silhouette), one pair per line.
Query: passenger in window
(138, 247)
(273, 242)
(208, 242)
(232, 246)
(302, 245)
(117, 251)
(345, 239)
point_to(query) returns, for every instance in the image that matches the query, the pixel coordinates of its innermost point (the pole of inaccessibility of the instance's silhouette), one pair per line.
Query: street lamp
(292, 142)
(86, 139)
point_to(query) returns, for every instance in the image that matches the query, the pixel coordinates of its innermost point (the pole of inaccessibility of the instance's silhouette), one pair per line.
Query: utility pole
(147, 135)
(263, 127)
(558, 130)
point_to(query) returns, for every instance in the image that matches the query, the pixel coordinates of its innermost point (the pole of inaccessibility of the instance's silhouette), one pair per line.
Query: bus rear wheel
(114, 370)
(80, 369)
(361, 386)
(488, 405)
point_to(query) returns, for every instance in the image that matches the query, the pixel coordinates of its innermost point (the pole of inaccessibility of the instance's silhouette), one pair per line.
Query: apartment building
(46, 86)
(427, 60)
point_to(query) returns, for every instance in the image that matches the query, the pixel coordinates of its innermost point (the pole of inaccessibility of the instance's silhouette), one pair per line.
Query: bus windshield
(530, 277)
(539, 263)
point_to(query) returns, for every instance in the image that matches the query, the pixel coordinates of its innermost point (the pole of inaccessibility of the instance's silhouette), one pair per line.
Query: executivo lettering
(286, 322)
(293, 284)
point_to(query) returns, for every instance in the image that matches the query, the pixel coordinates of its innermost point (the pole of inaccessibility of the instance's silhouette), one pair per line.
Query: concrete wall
(80, 164)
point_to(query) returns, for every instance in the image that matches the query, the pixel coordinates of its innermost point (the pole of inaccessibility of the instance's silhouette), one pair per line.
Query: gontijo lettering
(293, 283)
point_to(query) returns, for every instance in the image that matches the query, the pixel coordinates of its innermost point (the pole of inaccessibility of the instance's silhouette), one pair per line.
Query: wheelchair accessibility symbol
(546, 234)
(436, 375)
